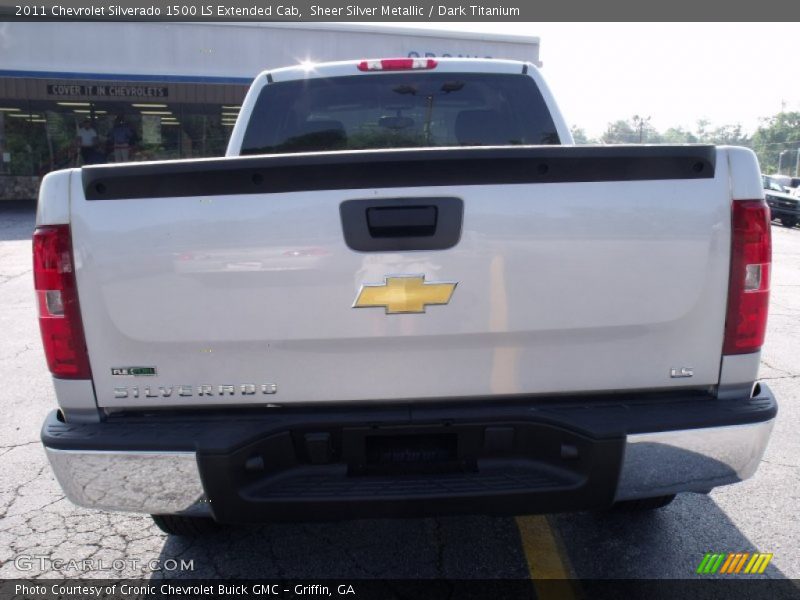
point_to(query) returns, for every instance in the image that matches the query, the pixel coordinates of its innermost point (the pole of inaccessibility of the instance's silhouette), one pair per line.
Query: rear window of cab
(398, 110)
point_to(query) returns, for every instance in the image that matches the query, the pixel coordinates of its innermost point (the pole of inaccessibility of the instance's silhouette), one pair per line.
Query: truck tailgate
(229, 282)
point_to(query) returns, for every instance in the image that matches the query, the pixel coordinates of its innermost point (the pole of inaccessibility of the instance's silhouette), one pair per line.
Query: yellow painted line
(548, 565)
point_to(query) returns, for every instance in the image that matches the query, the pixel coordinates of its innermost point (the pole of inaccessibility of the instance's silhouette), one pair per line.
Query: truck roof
(308, 70)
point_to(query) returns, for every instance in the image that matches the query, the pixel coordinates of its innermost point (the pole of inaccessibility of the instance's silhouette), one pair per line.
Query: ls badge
(404, 294)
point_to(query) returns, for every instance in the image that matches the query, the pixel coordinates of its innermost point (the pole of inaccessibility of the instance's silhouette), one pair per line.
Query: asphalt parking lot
(37, 522)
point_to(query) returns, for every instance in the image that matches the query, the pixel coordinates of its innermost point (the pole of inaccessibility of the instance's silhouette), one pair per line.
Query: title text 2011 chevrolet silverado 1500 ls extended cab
(403, 292)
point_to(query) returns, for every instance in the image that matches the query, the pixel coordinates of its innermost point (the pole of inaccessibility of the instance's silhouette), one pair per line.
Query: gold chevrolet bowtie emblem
(404, 294)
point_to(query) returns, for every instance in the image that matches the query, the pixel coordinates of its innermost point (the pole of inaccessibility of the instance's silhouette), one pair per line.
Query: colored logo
(734, 563)
(404, 294)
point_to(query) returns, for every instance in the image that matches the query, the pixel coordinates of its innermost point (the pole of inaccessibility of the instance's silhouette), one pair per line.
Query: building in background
(154, 91)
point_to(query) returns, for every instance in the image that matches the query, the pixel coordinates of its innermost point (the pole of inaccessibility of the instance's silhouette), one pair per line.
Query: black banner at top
(397, 10)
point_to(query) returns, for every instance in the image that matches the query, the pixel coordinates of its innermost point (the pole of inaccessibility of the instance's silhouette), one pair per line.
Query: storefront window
(203, 132)
(23, 139)
(39, 136)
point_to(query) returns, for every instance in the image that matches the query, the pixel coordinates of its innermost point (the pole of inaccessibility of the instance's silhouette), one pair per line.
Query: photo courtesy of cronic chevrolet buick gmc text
(404, 292)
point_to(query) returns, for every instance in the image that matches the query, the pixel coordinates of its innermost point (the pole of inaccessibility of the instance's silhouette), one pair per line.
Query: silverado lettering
(245, 389)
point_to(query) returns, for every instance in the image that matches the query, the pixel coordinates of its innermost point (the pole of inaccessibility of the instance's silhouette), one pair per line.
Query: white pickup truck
(403, 292)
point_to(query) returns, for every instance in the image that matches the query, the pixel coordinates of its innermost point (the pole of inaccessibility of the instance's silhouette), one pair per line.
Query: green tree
(620, 132)
(647, 133)
(724, 135)
(580, 137)
(776, 134)
(678, 135)
(702, 129)
(634, 131)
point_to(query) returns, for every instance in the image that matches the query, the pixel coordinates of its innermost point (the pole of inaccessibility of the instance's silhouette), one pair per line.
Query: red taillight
(748, 288)
(57, 295)
(397, 64)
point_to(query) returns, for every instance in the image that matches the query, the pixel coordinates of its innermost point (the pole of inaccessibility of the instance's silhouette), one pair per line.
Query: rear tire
(789, 221)
(185, 526)
(643, 504)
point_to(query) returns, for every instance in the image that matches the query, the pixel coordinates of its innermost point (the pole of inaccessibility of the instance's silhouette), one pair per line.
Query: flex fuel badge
(134, 371)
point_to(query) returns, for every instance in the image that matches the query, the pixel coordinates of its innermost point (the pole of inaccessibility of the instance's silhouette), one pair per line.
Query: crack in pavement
(7, 278)
(20, 445)
(27, 348)
(14, 493)
(39, 508)
(769, 366)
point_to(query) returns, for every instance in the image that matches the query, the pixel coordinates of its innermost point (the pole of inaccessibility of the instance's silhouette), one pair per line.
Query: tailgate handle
(399, 224)
(401, 221)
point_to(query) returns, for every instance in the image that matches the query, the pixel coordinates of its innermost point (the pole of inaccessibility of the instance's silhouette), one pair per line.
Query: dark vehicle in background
(780, 183)
(782, 205)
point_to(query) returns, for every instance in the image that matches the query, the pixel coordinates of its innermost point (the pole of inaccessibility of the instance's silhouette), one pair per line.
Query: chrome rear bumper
(654, 464)
(692, 460)
(140, 482)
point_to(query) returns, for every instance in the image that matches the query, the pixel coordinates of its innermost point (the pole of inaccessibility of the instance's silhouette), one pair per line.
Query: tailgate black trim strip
(270, 174)
(598, 417)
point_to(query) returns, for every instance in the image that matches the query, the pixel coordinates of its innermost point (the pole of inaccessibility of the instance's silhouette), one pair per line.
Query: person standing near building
(123, 138)
(87, 138)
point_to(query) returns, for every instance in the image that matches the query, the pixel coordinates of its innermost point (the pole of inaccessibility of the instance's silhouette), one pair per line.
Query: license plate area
(411, 454)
